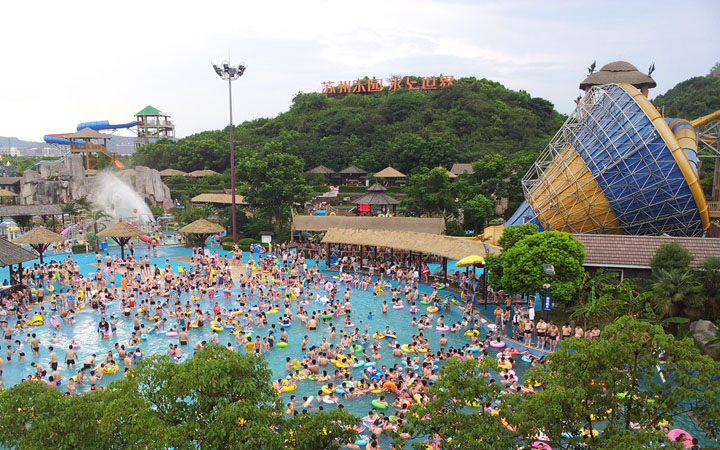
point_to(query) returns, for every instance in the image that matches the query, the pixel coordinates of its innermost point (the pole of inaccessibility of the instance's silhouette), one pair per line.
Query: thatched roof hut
(40, 239)
(389, 172)
(202, 173)
(432, 225)
(433, 244)
(219, 198)
(619, 72)
(30, 210)
(172, 173)
(376, 196)
(11, 254)
(353, 170)
(320, 170)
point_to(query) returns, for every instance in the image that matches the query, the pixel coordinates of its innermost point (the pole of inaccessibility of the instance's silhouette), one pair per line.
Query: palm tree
(676, 293)
(594, 295)
(631, 300)
(97, 215)
(709, 275)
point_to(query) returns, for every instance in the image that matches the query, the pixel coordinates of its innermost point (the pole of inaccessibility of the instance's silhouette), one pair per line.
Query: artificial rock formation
(63, 181)
(149, 185)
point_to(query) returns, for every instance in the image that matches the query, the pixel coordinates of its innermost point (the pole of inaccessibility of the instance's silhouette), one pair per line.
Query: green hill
(460, 123)
(691, 98)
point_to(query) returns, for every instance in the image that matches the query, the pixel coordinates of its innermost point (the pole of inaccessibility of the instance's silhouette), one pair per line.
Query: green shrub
(352, 189)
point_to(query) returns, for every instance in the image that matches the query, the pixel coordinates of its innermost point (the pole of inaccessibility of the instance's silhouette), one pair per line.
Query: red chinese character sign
(370, 85)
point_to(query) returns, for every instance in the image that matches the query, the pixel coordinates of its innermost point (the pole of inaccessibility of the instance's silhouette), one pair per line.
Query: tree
(494, 263)
(671, 256)
(275, 184)
(96, 216)
(328, 430)
(613, 384)
(216, 399)
(523, 264)
(709, 275)
(516, 233)
(477, 212)
(632, 300)
(457, 413)
(676, 292)
(429, 191)
(594, 297)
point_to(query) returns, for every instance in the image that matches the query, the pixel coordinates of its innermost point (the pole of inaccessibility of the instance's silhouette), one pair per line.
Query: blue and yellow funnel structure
(617, 167)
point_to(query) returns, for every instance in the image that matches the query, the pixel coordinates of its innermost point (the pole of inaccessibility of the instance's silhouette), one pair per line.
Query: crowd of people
(263, 298)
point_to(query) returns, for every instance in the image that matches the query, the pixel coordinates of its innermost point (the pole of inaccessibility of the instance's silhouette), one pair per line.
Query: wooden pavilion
(376, 196)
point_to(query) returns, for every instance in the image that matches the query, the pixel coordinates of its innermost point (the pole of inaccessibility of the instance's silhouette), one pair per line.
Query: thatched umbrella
(203, 228)
(172, 173)
(121, 233)
(202, 173)
(7, 193)
(40, 239)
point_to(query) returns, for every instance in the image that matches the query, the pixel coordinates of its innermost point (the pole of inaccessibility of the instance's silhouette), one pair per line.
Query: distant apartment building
(9, 151)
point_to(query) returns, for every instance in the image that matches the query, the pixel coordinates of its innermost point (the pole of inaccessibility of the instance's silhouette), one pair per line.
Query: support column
(444, 264)
(362, 254)
(327, 253)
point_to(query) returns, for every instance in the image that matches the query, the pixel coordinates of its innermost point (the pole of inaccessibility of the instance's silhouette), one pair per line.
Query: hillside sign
(367, 86)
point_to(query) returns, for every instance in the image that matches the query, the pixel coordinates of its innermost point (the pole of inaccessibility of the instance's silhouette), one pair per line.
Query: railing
(714, 209)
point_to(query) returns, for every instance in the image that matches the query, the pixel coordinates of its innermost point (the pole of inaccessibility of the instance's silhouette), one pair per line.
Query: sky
(69, 62)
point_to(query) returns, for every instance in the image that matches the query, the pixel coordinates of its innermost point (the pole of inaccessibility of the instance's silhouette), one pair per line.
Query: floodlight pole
(231, 73)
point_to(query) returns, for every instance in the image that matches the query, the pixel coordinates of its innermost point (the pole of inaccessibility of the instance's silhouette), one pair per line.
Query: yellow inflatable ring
(326, 390)
(406, 348)
(332, 214)
(432, 309)
(472, 333)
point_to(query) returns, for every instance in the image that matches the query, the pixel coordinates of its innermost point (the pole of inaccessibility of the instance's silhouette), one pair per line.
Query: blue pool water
(84, 332)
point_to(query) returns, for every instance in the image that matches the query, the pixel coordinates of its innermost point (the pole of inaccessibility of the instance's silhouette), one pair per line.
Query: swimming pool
(84, 332)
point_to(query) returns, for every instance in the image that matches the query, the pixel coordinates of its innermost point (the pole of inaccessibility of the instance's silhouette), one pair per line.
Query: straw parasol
(172, 173)
(7, 193)
(40, 239)
(203, 228)
(121, 233)
(202, 173)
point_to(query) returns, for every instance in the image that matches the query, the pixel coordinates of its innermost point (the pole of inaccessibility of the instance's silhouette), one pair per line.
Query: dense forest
(468, 121)
(691, 98)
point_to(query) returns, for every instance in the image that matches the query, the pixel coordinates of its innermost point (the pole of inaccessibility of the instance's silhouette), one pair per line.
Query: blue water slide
(524, 214)
(106, 125)
(56, 140)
